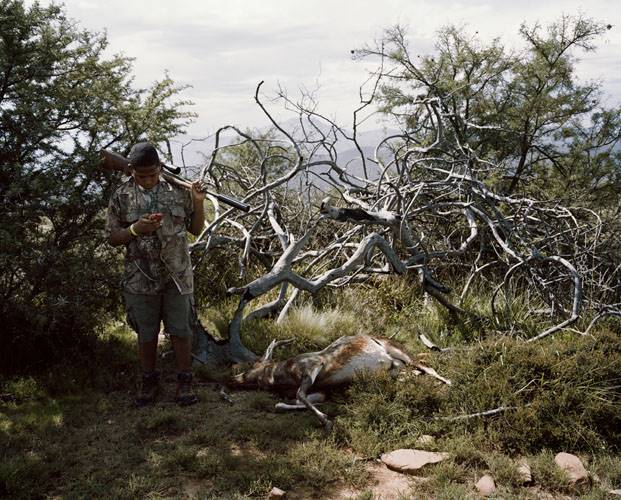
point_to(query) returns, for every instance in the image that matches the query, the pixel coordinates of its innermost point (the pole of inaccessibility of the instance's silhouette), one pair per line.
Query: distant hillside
(348, 156)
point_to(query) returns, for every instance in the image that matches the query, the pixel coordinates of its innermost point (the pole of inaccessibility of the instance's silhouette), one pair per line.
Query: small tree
(61, 102)
(525, 111)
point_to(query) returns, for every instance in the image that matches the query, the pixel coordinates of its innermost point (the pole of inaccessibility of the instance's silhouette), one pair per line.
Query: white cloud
(224, 49)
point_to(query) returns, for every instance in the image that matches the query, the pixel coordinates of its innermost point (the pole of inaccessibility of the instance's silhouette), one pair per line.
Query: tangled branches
(422, 202)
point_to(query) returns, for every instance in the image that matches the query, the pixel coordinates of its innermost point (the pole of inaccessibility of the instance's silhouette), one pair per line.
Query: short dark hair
(143, 154)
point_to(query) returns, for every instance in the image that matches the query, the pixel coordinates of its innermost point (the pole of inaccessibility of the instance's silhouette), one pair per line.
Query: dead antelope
(337, 364)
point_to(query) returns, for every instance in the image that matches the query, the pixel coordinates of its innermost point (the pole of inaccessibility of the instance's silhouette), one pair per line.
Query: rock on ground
(572, 466)
(276, 493)
(385, 485)
(425, 440)
(486, 486)
(409, 461)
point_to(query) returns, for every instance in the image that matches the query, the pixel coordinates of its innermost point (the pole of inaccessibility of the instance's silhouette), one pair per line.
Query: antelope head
(260, 374)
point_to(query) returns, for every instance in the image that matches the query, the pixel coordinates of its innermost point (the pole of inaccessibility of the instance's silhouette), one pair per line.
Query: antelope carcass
(337, 364)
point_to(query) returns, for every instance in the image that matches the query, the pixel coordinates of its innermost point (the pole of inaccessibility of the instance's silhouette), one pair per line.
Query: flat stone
(276, 493)
(409, 461)
(384, 484)
(486, 486)
(572, 466)
(523, 470)
(390, 485)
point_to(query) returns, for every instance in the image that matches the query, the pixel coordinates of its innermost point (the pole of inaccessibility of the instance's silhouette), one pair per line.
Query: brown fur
(291, 372)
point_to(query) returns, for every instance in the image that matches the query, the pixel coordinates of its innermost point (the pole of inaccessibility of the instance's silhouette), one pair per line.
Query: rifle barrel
(116, 161)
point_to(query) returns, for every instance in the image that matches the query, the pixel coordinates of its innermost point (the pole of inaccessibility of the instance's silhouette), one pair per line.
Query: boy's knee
(178, 316)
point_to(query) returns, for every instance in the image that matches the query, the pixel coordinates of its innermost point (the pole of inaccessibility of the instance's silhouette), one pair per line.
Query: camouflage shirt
(152, 260)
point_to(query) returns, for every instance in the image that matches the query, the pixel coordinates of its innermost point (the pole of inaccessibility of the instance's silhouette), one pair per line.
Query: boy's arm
(119, 235)
(197, 223)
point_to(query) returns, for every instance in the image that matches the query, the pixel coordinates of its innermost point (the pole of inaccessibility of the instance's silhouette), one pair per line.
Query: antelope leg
(430, 371)
(307, 382)
(314, 398)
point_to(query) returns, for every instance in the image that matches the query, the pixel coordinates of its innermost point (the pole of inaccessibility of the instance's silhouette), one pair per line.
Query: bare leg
(183, 352)
(147, 353)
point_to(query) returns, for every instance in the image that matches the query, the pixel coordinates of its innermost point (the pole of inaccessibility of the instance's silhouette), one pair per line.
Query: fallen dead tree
(421, 204)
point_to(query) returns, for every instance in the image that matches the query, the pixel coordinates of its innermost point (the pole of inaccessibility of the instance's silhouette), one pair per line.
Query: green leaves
(61, 102)
(524, 111)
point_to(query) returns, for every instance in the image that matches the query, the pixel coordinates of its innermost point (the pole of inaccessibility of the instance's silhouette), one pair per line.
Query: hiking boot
(185, 395)
(149, 387)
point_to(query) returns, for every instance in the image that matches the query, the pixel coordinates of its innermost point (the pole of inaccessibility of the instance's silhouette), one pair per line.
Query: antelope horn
(273, 345)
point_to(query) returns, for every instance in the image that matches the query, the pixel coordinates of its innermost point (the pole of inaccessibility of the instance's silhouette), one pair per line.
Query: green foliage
(504, 470)
(561, 394)
(213, 277)
(22, 389)
(61, 102)
(157, 423)
(607, 469)
(527, 112)
(20, 476)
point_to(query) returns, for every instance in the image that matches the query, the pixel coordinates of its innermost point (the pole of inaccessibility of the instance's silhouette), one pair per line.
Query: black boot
(185, 395)
(149, 387)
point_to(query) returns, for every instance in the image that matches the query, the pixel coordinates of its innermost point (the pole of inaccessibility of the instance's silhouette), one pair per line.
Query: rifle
(115, 161)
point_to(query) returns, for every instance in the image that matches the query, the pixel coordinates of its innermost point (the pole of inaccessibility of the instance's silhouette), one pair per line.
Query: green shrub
(68, 101)
(560, 393)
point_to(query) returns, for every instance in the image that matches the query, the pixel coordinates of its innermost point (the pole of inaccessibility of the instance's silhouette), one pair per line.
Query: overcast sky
(224, 48)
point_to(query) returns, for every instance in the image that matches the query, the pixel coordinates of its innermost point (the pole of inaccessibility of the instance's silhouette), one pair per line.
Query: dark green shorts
(146, 312)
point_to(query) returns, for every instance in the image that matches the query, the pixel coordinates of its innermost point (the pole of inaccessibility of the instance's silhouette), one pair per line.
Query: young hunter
(150, 217)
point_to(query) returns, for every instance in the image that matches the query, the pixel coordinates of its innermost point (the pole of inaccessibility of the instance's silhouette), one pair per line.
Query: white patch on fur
(372, 358)
(313, 374)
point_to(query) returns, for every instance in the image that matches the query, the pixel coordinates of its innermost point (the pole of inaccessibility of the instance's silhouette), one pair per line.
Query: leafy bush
(62, 102)
(559, 394)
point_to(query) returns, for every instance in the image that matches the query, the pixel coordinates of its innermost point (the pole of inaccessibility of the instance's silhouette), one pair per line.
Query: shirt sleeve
(113, 222)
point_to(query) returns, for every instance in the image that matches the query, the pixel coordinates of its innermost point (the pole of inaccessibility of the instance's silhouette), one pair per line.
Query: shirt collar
(162, 184)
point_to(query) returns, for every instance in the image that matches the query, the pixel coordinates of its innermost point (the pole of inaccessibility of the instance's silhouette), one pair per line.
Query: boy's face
(147, 177)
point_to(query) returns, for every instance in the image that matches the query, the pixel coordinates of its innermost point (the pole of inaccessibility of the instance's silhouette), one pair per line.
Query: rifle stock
(115, 161)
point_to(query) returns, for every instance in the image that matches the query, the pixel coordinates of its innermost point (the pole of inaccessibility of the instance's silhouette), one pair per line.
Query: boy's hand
(198, 190)
(147, 224)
